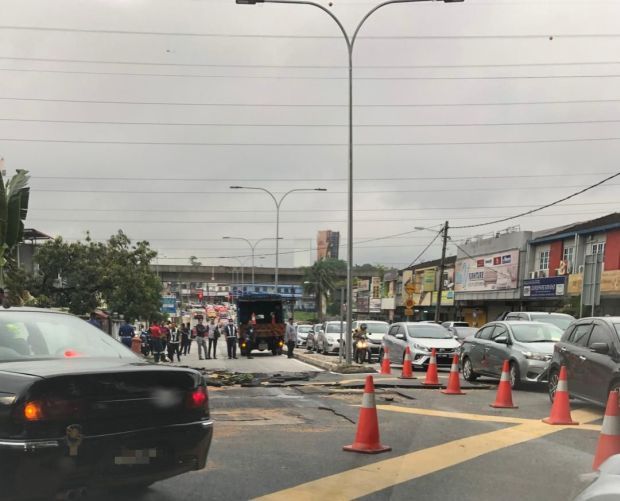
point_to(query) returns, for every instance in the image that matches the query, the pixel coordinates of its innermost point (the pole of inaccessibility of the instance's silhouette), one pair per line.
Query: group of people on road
(164, 340)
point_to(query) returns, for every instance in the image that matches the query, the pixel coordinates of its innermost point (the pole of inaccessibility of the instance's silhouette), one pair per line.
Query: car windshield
(376, 328)
(43, 335)
(304, 328)
(536, 333)
(429, 331)
(560, 321)
(463, 332)
(332, 328)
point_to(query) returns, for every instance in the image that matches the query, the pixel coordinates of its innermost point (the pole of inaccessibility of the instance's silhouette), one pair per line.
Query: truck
(265, 313)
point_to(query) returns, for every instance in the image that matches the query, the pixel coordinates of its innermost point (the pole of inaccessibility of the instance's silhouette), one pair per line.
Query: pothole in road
(256, 417)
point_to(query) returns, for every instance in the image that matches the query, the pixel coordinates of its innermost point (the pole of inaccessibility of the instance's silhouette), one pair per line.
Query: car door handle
(563, 349)
(581, 357)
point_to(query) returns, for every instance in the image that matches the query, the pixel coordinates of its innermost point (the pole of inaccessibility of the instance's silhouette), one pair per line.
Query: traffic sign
(410, 287)
(409, 303)
(408, 312)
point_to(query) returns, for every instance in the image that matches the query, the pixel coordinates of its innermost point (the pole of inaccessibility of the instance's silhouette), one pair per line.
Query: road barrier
(454, 383)
(432, 379)
(560, 410)
(503, 400)
(407, 372)
(609, 439)
(386, 368)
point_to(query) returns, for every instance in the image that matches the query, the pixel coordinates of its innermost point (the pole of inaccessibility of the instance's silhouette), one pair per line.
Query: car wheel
(468, 370)
(515, 376)
(554, 377)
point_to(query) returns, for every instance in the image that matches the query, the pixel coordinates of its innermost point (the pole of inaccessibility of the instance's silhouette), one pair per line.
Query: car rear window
(332, 328)
(376, 328)
(34, 335)
(558, 320)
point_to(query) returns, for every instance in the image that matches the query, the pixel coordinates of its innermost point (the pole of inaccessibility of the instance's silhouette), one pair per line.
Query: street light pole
(252, 247)
(442, 267)
(278, 205)
(350, 44)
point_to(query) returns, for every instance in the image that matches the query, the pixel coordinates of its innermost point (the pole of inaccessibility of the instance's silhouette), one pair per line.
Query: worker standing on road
(201, 332)
(213, 334)
(185, 339)
(290, 337)
(156, 341)
(126, 332)
(173, 344)
(230, 330)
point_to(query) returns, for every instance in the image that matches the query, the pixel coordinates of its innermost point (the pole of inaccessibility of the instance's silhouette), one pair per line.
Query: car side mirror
(602, 348)
(400, 336)
(502, 340)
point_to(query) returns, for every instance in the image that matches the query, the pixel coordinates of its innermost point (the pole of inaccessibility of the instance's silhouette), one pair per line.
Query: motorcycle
(145, 347)
(361, 350)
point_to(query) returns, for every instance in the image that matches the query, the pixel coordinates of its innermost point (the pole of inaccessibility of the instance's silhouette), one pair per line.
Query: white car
(376, 329)
(328, 340)
(421, 339)
(302, 334)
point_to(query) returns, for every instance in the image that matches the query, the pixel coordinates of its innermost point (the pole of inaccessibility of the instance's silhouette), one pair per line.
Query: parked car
(561, 320)
(421, 338)
(302, 334)
(79, 410)
(527, 345)
(590, 350)
(328, 340)
(312, 337)
(376, 329)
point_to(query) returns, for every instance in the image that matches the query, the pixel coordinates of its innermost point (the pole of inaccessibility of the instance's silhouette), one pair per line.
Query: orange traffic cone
(407, 372)
(385, 363)
(454, 384)
(431, 372)
(560, 410)
(367, 436)
(609, 439)
(504, 392)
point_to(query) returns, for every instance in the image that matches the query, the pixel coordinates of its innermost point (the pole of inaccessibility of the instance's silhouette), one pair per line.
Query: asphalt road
(270, 439)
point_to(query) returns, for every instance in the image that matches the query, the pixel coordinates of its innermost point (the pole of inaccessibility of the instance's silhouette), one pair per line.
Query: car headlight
(419, 347)
(543, 357)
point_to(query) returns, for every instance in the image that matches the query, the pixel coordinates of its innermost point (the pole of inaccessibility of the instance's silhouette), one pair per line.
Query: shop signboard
(498, 271)
(428, 280)
(169, 304)
(544, 287)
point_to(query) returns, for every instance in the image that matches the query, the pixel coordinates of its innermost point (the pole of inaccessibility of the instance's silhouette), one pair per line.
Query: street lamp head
(320, 189)
(226, 238)
(248, 2)
(445, 1)
(236, 187)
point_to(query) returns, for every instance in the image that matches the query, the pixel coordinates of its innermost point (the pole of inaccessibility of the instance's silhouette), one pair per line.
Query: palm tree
(14, 198)
(320, 280)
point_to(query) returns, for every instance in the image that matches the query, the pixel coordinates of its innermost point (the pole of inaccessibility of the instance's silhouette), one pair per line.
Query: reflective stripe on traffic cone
(609, 439)
(560, 410)
(385, 363)
(454, 383)
(407, 372)
(504, 392)
(367, 436)
(431, 373)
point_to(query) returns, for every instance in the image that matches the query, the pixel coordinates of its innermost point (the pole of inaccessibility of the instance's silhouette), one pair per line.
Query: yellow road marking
(374, 477)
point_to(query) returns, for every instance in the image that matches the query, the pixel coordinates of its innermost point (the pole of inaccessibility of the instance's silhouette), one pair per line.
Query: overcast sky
(195, 70)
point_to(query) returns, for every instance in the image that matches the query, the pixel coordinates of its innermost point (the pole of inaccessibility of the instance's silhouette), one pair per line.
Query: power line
(530, 212)
(425, 249)
(254, 211)
(309, 145)
(238, 193)
(305, 221)
(309, 37)
(314, 105)
(306, 77)
(312, 125)
(313, 66)
(318, 179)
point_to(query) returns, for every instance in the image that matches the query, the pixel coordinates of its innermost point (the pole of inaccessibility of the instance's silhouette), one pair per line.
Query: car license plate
(262, 346)
(135, 456)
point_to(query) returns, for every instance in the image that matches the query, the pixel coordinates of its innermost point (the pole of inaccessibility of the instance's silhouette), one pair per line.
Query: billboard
(544, 287)
(428, 280)
(498, 271)
(169, 304)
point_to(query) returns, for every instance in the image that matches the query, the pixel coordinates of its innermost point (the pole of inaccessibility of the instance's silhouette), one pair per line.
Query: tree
(86, 275)
(13, 211)
(321, 279)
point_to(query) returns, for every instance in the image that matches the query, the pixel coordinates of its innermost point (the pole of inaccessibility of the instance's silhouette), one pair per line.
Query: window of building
(598, 248)
(543, 260)
(568, 255)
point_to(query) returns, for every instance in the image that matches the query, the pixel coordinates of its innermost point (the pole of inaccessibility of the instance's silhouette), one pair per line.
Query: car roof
(517, 322)
(540, 313)
(31, 309)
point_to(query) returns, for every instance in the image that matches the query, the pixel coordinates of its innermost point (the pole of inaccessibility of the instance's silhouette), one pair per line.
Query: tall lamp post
(350, 41)
(278, 205)
(252, 247)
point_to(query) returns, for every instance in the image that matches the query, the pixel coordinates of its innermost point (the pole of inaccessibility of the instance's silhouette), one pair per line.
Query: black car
(79, 411)
(590, 350)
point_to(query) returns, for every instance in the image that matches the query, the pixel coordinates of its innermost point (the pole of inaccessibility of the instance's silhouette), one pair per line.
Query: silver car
(302, 334)
(421, 339)
(527, 345)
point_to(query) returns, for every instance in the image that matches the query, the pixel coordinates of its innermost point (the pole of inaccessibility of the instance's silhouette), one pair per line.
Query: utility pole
(442, 267)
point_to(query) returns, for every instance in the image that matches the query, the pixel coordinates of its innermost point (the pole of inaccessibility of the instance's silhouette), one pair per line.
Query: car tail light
(198, 398)
(51, 409)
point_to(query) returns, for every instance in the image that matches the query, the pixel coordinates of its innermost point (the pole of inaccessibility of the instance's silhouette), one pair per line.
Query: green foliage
(14, 197)
(86, 275)
(322, 279)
